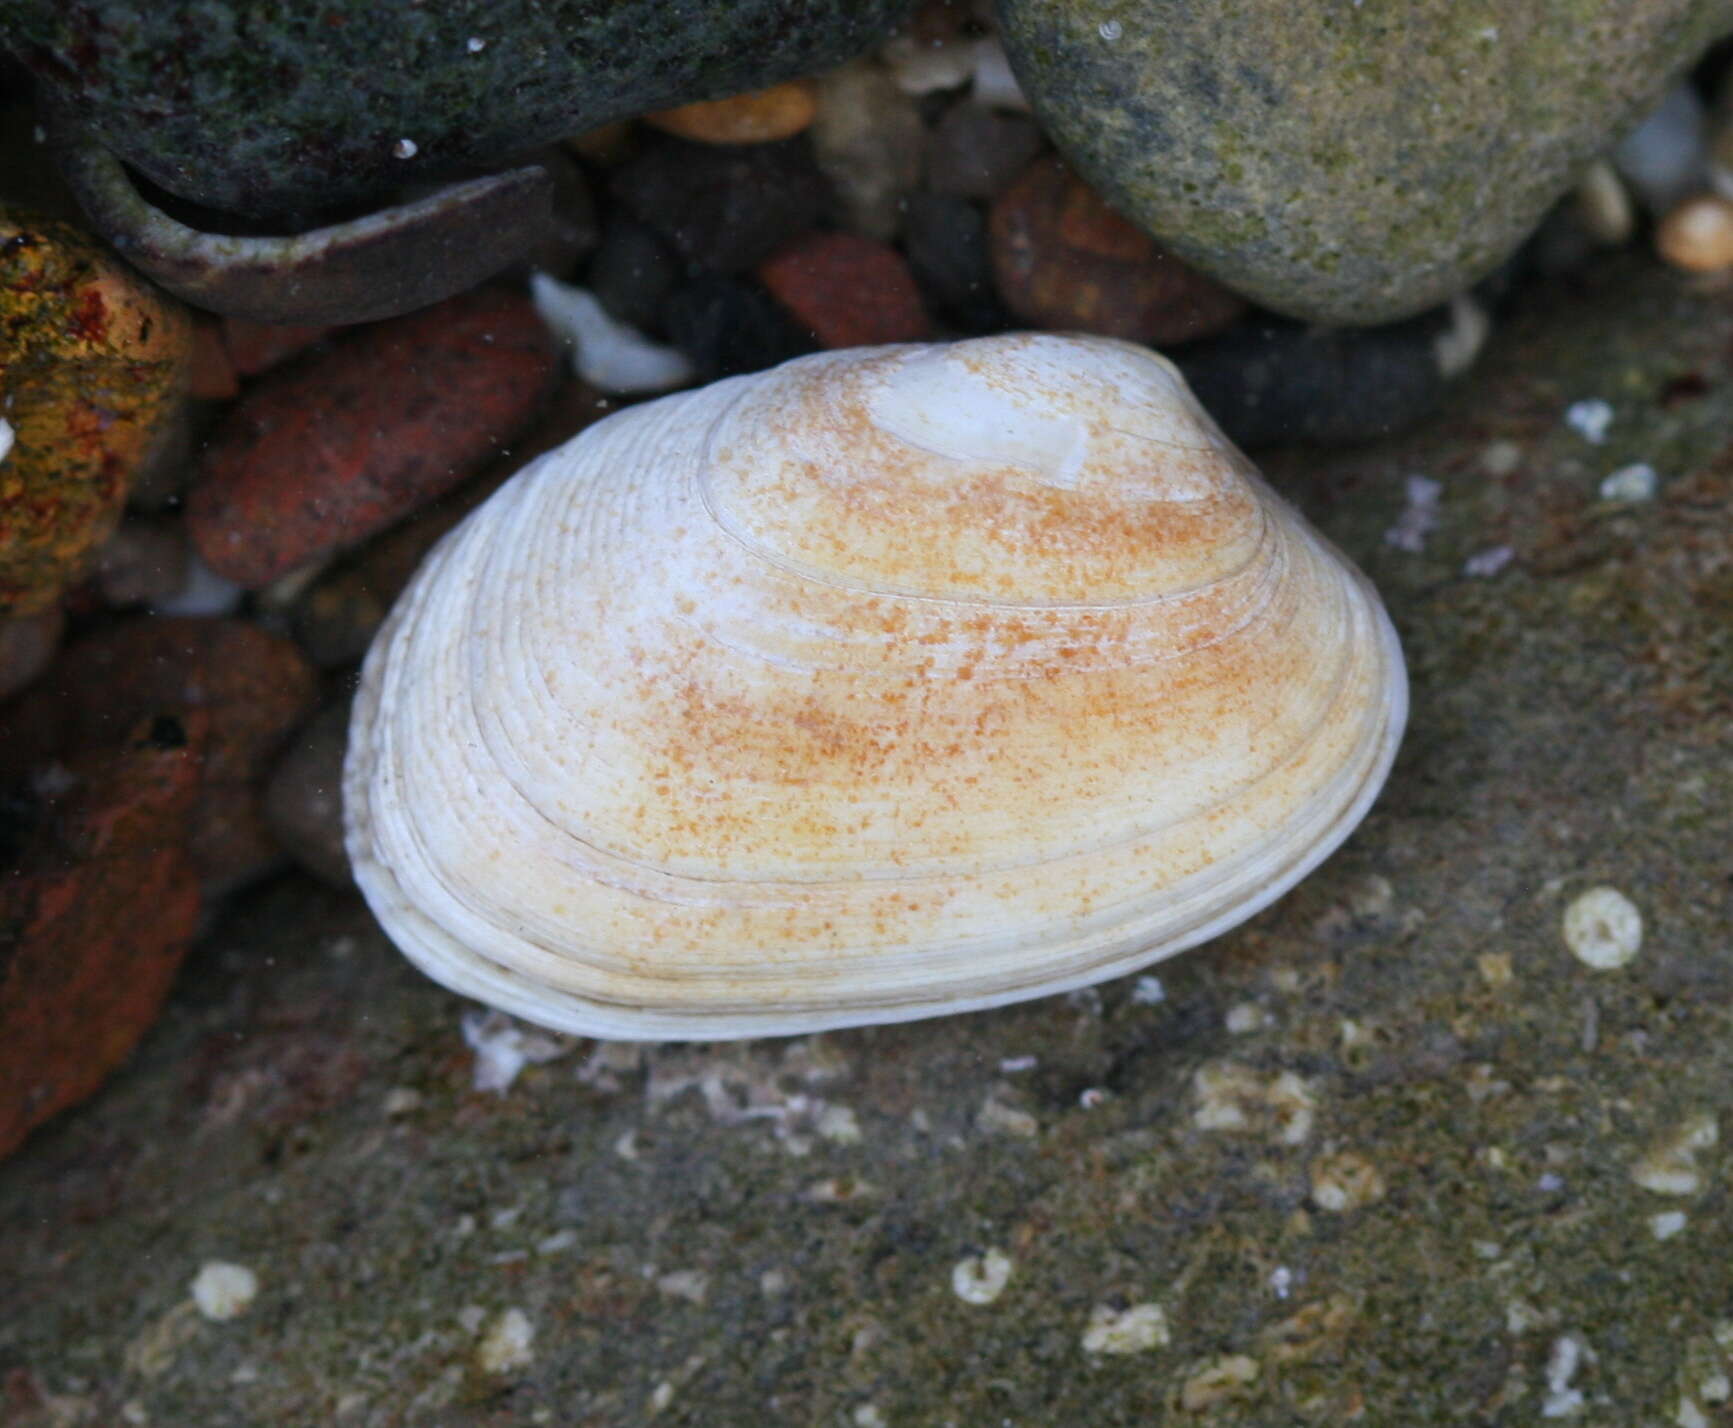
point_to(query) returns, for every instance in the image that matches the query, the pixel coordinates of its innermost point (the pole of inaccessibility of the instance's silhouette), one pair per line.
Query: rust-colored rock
(95, 919)
(335, 619)
(846, 290)
(255, 688)
(760, 117)
(1064, 261)
(319, 457)
(92, 363)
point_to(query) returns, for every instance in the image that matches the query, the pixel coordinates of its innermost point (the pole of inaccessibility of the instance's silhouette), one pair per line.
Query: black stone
(724, 207)
(726, 326)
(632, 271)
(946, 243)
(1271, 380)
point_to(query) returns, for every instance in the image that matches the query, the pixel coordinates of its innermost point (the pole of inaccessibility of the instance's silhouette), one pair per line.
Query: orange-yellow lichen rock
(92, 362)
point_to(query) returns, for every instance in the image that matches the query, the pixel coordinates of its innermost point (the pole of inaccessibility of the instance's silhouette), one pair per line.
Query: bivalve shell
(888, 683)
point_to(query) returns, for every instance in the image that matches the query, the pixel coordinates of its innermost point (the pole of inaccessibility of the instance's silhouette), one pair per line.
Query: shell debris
(1669, 1166)
(980, 1279)
(1133, 1330)
(222, 1290)
(507, 1343)
(1603, 929)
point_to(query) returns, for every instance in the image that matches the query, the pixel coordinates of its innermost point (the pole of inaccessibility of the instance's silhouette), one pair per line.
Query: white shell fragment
(1603, 929)
(886, 684)
(5, 438)
(224, 1291)
(609, 355)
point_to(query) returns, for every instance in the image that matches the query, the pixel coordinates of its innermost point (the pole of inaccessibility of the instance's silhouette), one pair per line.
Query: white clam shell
(888, 683)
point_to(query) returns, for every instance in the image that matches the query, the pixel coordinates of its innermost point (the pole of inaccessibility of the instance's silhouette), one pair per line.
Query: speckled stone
(94, 362)
(1344, 163)
(215, 100)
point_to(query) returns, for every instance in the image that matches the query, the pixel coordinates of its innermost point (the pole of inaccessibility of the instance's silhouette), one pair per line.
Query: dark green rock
(269, 108)
(1341, 162)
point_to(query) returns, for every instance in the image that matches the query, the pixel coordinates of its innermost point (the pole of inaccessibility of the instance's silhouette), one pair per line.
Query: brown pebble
(317, 458)
(99, 911)
(846, 290)
(27, 644)
(976, 151)
(760, 117)
(304, 797)
(1698, 235)
(144, 561)
(1063, 260)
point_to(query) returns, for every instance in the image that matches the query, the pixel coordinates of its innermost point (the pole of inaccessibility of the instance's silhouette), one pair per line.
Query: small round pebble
(846, 290)
(1698, 235)
(224, 1291)
(1603, 929)
(980, 1279)
(946, 241)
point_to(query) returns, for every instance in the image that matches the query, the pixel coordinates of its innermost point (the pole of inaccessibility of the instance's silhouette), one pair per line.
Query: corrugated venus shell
(885, 684)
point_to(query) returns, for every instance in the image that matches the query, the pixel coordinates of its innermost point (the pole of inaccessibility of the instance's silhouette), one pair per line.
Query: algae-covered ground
(1389, 1154)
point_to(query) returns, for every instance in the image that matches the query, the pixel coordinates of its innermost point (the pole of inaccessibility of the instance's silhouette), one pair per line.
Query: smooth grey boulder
(1343, 162)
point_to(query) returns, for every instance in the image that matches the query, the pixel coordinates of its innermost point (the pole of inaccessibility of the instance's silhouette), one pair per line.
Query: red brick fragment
(848, 291)
(256, 688)
(320, 456)
(95, 919)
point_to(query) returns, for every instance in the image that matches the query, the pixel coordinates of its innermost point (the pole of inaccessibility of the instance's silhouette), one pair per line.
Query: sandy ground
(1391, 1153)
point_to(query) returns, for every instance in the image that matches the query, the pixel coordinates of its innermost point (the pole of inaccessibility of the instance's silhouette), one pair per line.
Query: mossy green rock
(269, 108)
(1340, 162)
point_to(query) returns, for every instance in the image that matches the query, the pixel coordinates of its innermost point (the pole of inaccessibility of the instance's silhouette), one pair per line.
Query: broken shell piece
(888, 683)
(386, 263)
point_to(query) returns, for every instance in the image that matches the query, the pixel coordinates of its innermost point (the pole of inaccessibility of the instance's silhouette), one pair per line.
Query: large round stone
(1337, 161)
